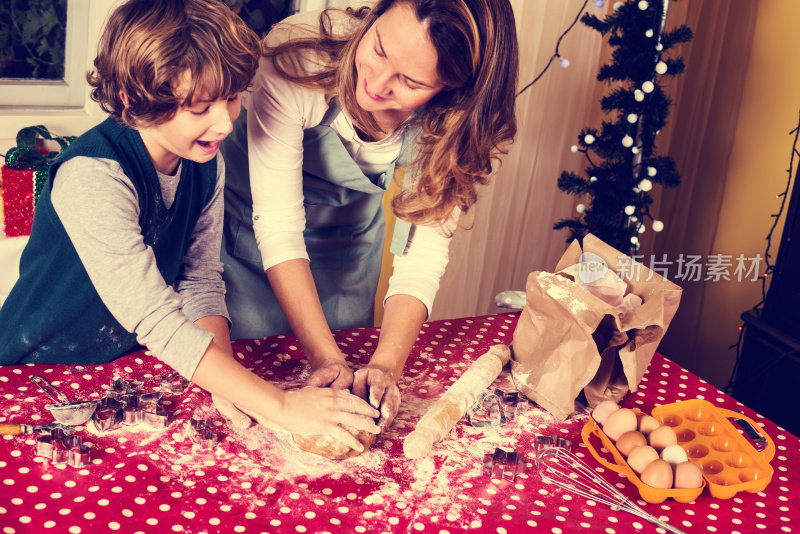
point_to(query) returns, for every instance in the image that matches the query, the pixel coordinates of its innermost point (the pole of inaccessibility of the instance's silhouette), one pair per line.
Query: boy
(125, 246)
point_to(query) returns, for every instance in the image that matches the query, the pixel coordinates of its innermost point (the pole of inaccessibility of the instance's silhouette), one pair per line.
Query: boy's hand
(334, 373)
(382, 391)
(238, 418)
(313, 410)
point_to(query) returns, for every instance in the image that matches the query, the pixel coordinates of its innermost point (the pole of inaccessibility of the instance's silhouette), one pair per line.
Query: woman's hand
(313, 410)
(333, 373)
(379, 388)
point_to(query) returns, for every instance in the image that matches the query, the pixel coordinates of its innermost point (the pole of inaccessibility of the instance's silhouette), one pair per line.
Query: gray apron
(344, 234)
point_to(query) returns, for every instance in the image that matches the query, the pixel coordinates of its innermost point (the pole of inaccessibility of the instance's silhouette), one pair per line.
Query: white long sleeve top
(278, 112)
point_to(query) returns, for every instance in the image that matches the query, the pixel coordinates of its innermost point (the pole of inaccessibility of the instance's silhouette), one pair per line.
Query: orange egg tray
(729, 462)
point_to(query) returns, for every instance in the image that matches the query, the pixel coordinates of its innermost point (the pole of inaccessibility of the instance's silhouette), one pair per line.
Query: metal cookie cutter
(501, 464)
(121, 387)
(155, 416)
(131, 412)
(108, 414)
(147, 408)
(487, 411)
(493, 408)
(61, 449)
(542, 443)
(509, 401)
(203, 435)
(174, 383)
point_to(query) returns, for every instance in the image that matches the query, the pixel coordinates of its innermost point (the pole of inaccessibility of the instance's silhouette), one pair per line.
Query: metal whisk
(561, 467)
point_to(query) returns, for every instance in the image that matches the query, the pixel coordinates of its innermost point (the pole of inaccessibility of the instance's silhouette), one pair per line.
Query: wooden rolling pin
(16, 429)
(448, 410)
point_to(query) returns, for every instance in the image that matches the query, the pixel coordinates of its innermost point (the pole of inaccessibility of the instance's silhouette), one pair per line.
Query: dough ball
(322, 444)
(330, 447)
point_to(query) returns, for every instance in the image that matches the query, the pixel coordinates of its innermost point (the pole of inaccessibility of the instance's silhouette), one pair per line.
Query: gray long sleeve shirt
(101, 219)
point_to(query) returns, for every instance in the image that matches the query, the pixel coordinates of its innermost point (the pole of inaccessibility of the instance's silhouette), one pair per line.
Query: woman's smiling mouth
(373, 96)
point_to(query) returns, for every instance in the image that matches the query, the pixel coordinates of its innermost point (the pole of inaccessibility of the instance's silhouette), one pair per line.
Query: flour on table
(263, 461)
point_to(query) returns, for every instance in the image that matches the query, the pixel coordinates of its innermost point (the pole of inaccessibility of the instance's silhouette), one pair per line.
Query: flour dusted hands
(334, 373)
(313, 410)
(382, 390)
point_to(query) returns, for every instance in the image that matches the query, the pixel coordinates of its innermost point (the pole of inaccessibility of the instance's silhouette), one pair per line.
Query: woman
(419, 92)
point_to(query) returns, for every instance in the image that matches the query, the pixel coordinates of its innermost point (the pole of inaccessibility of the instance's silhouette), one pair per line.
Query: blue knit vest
(54, 314)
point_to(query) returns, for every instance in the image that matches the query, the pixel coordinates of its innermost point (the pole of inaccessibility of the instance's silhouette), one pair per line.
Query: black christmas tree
(625, 166)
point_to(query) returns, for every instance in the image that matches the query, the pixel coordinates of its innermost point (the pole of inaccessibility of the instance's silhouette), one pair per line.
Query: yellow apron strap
(386, 259)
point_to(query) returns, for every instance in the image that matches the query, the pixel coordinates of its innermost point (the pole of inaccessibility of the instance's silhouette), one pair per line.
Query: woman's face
(396, 63)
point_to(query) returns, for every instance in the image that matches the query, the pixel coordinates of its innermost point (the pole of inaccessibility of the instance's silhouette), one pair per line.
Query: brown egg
(662, 437)
(620, 422)
(603, 410)
(629, 441)
(640, 457)
(688, 475)
(646, 423)
(658, 474)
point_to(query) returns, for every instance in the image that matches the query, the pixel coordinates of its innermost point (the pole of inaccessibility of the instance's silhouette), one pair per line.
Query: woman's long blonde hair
(463, 127)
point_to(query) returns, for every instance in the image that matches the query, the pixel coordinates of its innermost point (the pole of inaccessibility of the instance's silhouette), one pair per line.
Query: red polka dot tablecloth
(253, 481)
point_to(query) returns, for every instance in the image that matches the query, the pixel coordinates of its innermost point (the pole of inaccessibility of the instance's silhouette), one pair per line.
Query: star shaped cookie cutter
(123, 406)
(174, 383)
(138, 407)
(120, 387)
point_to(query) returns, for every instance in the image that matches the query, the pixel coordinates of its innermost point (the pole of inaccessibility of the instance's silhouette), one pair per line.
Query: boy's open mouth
(208, 146)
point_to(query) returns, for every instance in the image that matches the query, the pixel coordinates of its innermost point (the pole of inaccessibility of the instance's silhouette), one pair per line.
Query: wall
(756, 173)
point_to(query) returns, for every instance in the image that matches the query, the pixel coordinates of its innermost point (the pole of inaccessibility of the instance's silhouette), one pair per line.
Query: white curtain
(512, 223)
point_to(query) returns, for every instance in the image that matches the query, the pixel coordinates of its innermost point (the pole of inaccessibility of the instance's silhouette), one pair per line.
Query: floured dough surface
(330, 447)
(322, 444)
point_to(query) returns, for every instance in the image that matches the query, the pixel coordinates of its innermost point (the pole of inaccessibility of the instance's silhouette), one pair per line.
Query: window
(43, 51)
(63, 105)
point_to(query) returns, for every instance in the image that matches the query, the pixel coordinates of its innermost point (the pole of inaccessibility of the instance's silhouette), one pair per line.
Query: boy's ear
(124, 98)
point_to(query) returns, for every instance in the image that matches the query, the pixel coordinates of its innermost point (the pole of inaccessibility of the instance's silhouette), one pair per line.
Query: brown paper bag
(568, 340)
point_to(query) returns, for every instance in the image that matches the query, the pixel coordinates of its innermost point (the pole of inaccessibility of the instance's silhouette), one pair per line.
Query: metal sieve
(65, 412)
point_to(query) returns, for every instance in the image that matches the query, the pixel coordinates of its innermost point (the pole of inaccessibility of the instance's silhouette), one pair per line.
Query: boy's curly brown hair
(147, 46)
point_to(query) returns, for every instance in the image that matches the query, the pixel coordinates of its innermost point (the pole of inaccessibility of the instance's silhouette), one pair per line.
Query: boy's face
(194, 133)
